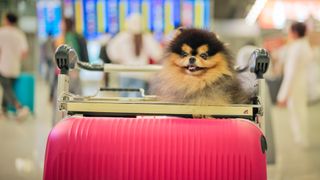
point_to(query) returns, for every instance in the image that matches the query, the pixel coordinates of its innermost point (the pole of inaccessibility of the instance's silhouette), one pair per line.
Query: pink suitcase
(150, 148)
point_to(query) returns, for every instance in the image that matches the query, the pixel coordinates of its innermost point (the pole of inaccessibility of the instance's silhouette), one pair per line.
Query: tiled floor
(295, 162)
(23, 145)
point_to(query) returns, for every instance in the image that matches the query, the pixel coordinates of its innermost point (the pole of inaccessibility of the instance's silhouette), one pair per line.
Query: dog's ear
(178, 31)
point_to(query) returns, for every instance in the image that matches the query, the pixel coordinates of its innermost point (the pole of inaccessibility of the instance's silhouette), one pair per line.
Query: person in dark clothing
(48, 50)
(103, 55)
(79, 44)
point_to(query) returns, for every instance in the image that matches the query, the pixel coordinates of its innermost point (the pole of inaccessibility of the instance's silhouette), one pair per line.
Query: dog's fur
(210, 80)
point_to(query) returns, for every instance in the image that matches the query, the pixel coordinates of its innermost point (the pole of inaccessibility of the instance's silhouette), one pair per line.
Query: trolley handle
(67, 58)
(90, 67)
(259, 62)
(130, 68)
(140, 90)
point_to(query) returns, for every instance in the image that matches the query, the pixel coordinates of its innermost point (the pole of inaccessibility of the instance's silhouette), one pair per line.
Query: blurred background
(100, 31)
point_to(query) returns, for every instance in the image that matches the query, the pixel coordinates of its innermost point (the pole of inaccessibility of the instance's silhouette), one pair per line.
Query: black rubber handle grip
(62, 58)
(259, 62)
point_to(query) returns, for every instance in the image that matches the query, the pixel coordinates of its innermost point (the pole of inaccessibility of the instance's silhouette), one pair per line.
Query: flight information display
(49, 16)
(93, 17)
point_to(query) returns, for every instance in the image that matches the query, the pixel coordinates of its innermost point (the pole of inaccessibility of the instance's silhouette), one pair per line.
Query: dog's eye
(204, 56)
(184, 54)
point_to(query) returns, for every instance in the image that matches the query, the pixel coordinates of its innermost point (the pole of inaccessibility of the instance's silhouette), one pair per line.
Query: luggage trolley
(143, 138)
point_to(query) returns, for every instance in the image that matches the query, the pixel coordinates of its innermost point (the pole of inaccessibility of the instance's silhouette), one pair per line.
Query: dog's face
(198, 52)
(195, 60)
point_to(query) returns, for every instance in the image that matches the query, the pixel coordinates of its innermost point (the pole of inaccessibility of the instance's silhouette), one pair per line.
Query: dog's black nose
(192, 60)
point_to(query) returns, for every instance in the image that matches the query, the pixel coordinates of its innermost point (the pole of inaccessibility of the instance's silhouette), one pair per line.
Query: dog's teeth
(192, 68)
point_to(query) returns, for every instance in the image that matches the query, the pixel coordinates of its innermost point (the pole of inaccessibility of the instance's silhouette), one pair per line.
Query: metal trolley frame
(70, 104)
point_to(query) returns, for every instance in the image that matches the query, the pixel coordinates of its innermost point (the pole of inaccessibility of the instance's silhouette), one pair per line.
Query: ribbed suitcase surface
(150, 148)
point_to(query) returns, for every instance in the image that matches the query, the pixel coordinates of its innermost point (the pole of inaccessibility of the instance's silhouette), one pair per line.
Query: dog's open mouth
(194, 68)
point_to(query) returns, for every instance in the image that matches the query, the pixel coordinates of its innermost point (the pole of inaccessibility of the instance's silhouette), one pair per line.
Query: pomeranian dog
(198, 69)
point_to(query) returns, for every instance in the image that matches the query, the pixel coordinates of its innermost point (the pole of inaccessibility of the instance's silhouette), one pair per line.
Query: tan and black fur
(198, 69)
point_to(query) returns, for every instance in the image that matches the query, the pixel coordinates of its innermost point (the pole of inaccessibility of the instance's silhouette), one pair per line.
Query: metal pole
(126, 68)
(62, 89)
(262, 99)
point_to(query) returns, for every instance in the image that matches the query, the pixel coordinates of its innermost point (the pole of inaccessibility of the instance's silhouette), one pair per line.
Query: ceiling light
(255, 11)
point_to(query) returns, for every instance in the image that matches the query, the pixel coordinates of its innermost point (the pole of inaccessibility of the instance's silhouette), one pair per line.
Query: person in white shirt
(133, 47)
(293, 90)
(13, 48)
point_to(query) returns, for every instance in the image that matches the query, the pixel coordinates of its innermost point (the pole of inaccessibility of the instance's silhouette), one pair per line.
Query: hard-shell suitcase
(150, 148)
(24, 89)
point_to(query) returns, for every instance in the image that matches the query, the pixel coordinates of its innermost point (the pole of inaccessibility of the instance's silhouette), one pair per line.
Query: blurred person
(70, 37)
(103, 55)
(133, 47)
(1, 96)
(48, 49)
(314, 77)
(293, 90)
(13, 49)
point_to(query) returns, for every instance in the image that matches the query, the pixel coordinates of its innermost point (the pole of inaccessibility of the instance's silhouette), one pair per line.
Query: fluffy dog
(198, 69)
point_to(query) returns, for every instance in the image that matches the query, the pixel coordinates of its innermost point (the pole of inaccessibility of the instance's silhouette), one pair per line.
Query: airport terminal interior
(139, 33)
